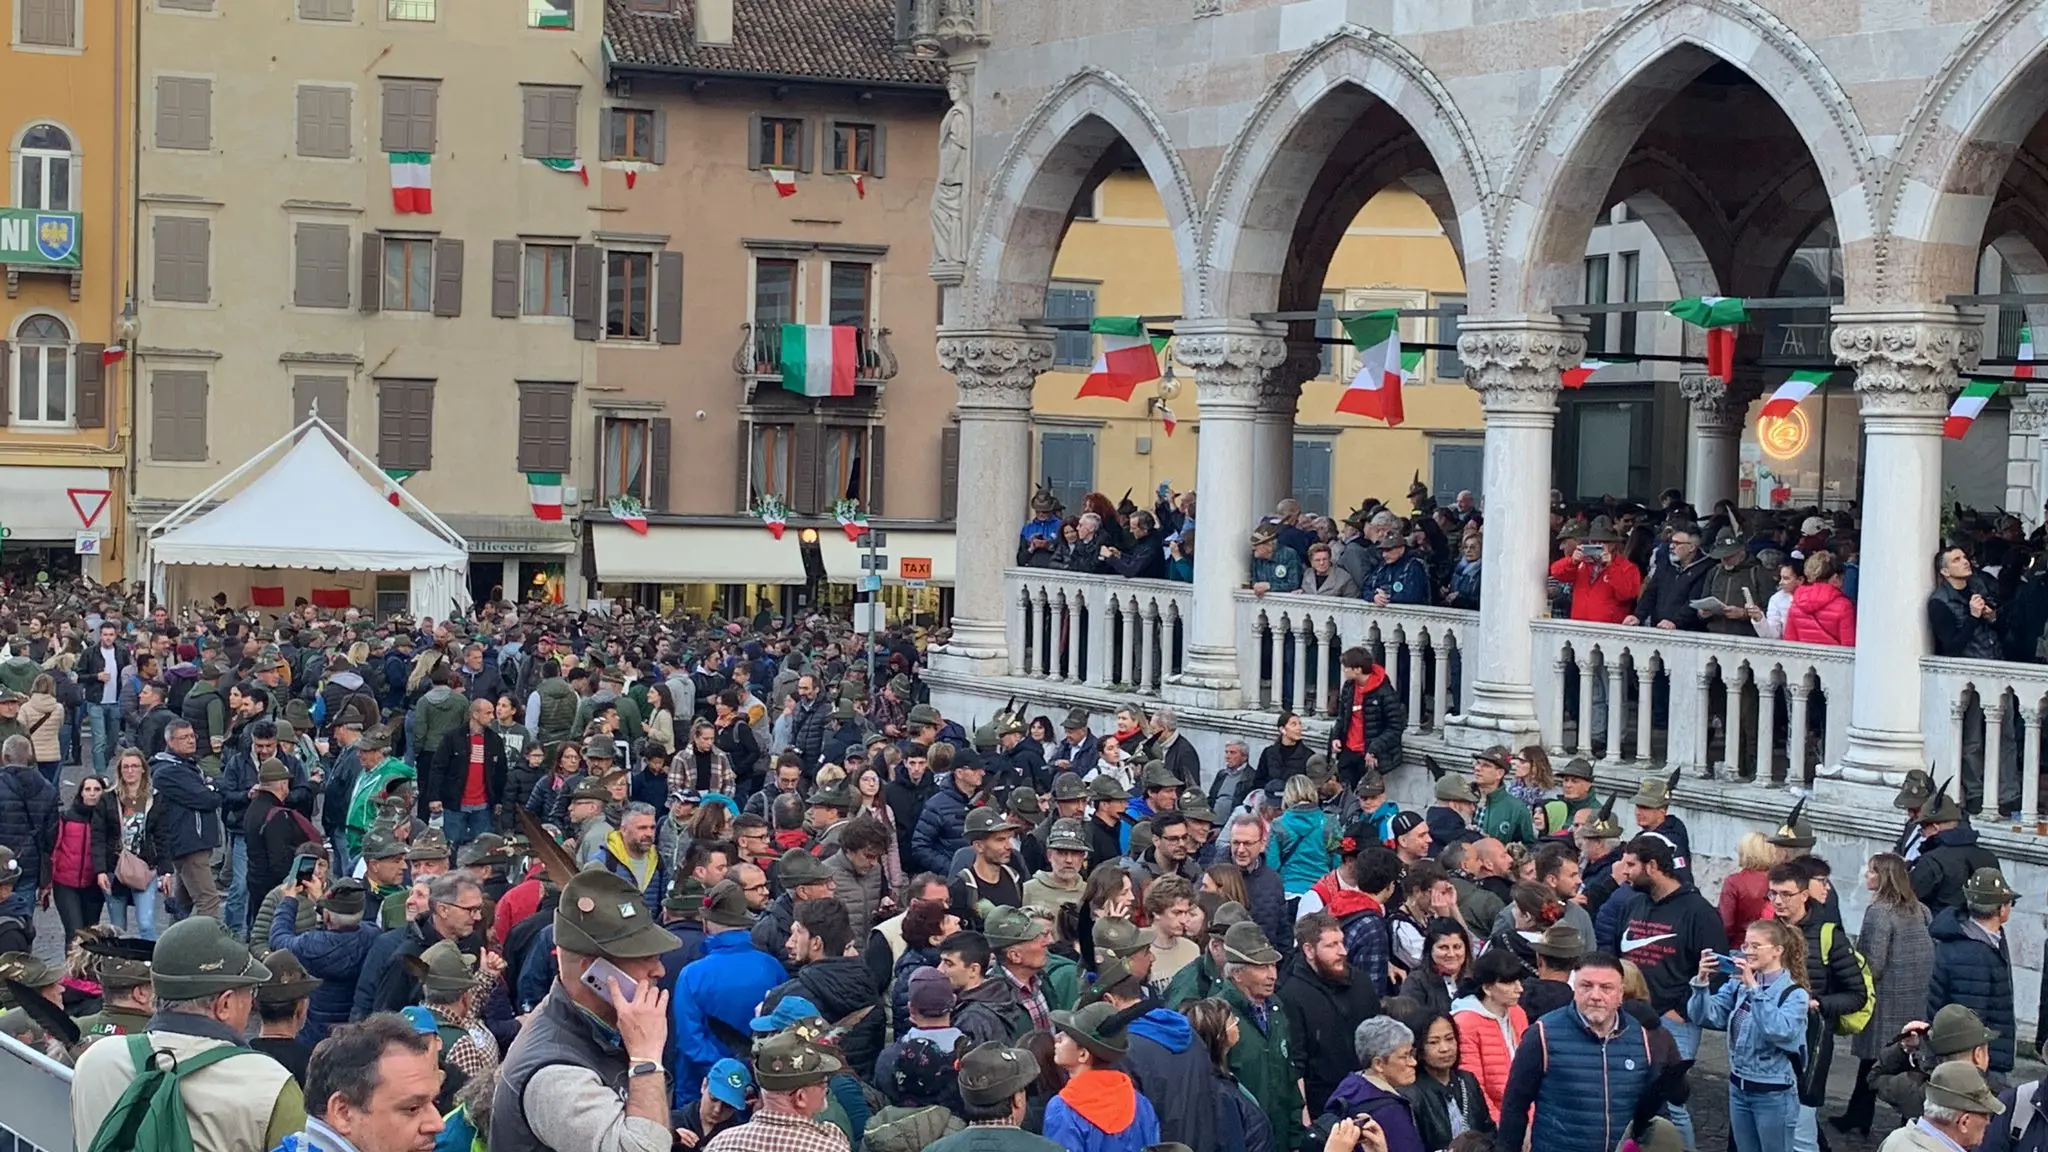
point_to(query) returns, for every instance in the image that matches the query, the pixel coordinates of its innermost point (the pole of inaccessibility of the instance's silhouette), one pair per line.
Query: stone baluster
(1766, 763)
(1557, 705)
(2030, 778)
(1795, 731)
(1992, 702)
(1587, 670)
(1906, 361)
(1617, 707)
(1441, 700)
(1731, 748)
(1127, 659)
(1077, 671)
(1231, 360)
(995, 370)
(1646, 686)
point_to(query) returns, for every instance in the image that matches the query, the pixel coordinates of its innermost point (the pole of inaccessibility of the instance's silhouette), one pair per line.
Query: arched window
(45, 169)
(42, 371)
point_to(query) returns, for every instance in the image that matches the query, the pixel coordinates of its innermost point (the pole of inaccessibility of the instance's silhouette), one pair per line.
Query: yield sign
(89, 503)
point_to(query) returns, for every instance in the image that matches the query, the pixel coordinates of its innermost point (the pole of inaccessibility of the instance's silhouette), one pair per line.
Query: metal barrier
(35, 1101)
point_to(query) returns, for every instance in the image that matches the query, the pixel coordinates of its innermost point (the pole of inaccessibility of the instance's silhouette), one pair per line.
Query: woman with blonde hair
(1762, 1005)
(43, 719)
(1299, 847)
(1895, 943)
(128, 796)
(1746, 895)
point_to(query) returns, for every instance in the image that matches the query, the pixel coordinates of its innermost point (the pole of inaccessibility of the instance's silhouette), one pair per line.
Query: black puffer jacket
(1278, 761)
(1385, 716)
(841, 986)
(1970, 971)
(1669, 594)
(807, 728)
(185, 816)
(1323, 1016)
(1944, 865)
(28, 819)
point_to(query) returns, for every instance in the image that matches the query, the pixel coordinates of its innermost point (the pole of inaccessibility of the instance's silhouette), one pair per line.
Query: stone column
(1906, 360)
(2026, 455)
(1273, 446)
(1714, 419)
(995, 370)
(1232, 360)
(1514, 363)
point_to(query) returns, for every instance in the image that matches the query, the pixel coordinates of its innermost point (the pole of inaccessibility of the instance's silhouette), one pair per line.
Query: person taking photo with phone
(1761, 1004)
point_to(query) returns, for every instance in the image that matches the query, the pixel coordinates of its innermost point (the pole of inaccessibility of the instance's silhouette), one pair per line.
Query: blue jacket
(191, 819)
(1300, 848)
(1970, 971)
(1766, 1028)
(1355, 1096)
(28, 820)
(334, 958)
(1406, 581)
(941, 829)
(715, 999)
(1174, 1073)
(1076, 1133)
(1562, 1069)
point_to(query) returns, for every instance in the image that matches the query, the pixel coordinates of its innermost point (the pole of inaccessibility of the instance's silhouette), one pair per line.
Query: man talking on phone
(586, 1070)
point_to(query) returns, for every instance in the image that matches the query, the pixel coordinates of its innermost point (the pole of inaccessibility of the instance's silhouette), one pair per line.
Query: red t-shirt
(473, 793)
(1354, 733)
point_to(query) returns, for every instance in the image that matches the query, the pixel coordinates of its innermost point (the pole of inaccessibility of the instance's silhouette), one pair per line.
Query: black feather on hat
(1671, 785)
(47, 1016)
(1607, 809)
(1436, 770)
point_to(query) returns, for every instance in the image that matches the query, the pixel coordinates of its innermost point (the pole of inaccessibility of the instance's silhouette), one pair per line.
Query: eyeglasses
(472, 909)
(1784, 893)
(761, 887)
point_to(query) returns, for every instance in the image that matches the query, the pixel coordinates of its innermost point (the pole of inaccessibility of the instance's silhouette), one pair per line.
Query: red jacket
(1745, 899)
(1483, 1051)
(1821, 614)
(1606, 600)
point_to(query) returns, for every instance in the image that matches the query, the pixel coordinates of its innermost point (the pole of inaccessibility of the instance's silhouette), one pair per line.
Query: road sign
(88, 503)
(872, 582)
(86, 544)
(913, 583)
(918, 568)
(873, 562)
(870, 616)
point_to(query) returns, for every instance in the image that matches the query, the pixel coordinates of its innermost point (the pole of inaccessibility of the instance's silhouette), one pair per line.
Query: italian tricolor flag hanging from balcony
(1969, 402)
(2024, 369)
(1375, 393)
(1128, 358)
(412, 182)
(818, 359)
(393, 478)
(1796, 388)
(1719, 315)
(569, 165)
(544, 492)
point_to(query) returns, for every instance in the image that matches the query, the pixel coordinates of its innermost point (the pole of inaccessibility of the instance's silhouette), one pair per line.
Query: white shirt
(110, 692)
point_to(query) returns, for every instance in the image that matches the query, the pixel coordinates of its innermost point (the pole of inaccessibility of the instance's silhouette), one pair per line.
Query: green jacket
(558, 704)
(1197, 981)
(629, 714)
(1060, 981)
(1263, 1062)
(441, 711)
(362, 802)
(11, 728)
(1505, 818)
(19, 673)
(305, 921)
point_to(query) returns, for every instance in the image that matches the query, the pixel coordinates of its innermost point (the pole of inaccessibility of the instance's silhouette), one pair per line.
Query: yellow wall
(87, 91)
(1394, 247)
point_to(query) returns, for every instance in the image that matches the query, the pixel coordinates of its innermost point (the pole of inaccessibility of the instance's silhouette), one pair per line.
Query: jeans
(106, 730)
(144, 903)
(461, 825)
(237, 876)
(77, 908)
(53, 771)
(1686, 1035)
(1762, 1121)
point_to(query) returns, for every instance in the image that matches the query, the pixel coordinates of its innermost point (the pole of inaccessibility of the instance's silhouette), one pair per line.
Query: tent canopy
(310, 509)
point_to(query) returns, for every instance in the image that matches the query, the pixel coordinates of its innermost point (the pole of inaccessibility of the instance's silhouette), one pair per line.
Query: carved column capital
(1514, 362)
(1718, 407)
(995, 367)
(1234, 361)
(1280, 391)
(2030, 412)
(1906, 360)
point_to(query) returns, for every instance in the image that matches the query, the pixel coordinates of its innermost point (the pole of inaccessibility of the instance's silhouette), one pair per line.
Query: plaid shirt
(1034, 1002)
(779, 1132)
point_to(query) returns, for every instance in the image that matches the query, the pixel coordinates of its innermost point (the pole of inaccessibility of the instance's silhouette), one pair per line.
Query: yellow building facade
(66, 103)
(1119, 261)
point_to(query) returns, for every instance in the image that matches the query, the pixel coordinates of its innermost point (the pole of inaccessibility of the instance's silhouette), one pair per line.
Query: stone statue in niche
(949, 194)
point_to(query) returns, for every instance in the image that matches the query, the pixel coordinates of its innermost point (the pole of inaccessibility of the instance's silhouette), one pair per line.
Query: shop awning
(749, 555)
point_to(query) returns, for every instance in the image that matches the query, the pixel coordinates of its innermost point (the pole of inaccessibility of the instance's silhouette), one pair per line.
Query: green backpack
(150, 1115)
(1851, 1023)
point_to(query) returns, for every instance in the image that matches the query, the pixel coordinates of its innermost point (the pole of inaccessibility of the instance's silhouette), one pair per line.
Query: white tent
(311, 509)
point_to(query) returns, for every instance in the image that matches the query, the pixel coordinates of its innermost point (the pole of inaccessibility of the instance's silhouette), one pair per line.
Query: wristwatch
(645, 1068)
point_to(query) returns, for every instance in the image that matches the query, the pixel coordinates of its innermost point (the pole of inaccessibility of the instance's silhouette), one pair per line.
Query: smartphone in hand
(598, 979)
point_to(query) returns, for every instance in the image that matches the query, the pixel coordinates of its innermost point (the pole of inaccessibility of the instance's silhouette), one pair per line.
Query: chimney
(714, 22)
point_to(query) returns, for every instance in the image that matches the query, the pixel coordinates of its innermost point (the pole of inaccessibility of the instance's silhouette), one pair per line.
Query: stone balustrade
(1290, 645)
(2013, 702)
(1103, 632)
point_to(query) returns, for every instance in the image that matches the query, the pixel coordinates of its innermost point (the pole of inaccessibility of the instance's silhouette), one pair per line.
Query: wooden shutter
(743, 469)
(583, 281)
(668, 298)
(875, 462)
(881, 151)
(419, 424)
(390, 424)
(328, 393)
(949, 472)
(658, 147)
(184, 113)
(178, 416)
(371, 280)
(505, 258)
(754, 140)
(181, 257)
(7, 393)
(447, 277)
(545, 410)
(324, 122)
(562, 121)
(320, 266)
(91, 377)
(533, 123)
(395, 127)
(405, 424)
(425, 116)
(809, 461)
(659, 430)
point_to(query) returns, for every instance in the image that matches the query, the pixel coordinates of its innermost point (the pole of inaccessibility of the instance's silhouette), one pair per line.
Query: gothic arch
(1684, 216)
(1052, 157)
(1586, 126)
(2028, 267)
(1267, 171)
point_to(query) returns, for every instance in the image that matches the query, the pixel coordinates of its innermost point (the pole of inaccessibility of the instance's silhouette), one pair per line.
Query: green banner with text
(39, 239)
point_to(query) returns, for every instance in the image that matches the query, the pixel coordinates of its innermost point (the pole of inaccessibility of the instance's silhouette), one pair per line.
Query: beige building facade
(454, 341)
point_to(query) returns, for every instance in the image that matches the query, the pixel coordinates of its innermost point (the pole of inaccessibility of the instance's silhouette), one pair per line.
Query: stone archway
(1683, 215)
(1608, 96)
(1265, 177)
(1053, 157)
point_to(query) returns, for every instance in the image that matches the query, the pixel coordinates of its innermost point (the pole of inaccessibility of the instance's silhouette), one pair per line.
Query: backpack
(1851, 1023)
(306, 830)
(150, 1115)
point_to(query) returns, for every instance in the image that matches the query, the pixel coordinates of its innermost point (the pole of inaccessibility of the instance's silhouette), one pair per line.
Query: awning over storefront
(736, 555)
(54, 504)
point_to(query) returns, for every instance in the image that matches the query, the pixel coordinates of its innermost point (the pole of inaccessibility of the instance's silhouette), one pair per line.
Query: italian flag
(1718, 315)
(860, 183)
(1375, 392)
(1797, 387)
(1128, 358)
(393, 477)
(817, 359)
(412, 182)
(2024, 370)
(1577, 377)
(113, 354)
(544, 492)
(628, 511)
(568, 164)
(555, 18)
(1969, 402)
(785, 182)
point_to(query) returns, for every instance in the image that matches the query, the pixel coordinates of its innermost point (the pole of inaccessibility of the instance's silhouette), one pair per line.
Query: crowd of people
(540, 880)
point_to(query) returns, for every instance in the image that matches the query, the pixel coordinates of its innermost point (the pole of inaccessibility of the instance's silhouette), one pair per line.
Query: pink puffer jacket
(1821, 614)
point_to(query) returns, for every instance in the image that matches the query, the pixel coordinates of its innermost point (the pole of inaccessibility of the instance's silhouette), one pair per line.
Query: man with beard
(1325, 1002)
(1168, 855)
(1480, 871)
(837, 983)
(1598, 840)
(1664, 936)
(1066, 851)
(628, 851)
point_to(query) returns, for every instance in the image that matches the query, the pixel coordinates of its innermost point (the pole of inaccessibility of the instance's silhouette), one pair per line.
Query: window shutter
(533, 133)
(170, 96)
(562, 103)
(881, 151)
(583, 292)
(7, 393)
(425, 116)
(177, 416)
(804, 144)
(658, 431)
(371, 298)
(390, 424)
(532, 418)
(949, 472)
(808, 462)
(658, 147)
(612, 119)
(668, 298)
(447, 277)
(505, 256)
(743, 469)
(309, 119)
(395, 132)
(419, 424)
(328, 393)
(876, 464)
(91, 378)
(754, 140)
(555, 428)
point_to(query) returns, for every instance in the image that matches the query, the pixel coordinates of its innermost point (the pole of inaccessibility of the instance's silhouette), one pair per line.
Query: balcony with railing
(758, 359)
(1290, 647)
(1102, 632)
